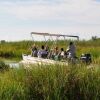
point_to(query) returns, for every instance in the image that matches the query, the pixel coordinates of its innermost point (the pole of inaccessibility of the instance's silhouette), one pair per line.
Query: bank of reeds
(51, 82)
(15, 49)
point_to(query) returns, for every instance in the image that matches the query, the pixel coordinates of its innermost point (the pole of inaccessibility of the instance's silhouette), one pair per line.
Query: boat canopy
(57, 35)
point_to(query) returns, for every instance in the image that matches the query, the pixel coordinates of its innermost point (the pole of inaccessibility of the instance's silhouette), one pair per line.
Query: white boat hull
(28, 60)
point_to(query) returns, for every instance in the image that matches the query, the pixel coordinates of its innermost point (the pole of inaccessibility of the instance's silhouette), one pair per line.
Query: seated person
(47, 49)
(62, 53)
(42, 53)
(56, 51)
(50, 54)
(55, 54)
(34, 51)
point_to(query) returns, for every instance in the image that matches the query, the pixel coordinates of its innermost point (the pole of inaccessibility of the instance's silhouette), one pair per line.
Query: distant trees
(94, 37)
(2, 41)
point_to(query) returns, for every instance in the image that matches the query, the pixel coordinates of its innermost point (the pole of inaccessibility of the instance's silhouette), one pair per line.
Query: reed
(15, 49)
(51, 82)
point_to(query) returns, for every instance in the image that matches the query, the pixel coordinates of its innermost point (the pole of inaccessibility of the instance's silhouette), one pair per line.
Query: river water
(12, 64)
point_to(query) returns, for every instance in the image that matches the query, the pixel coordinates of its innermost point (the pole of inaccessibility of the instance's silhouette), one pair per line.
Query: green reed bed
(51, 82)
(12, 50)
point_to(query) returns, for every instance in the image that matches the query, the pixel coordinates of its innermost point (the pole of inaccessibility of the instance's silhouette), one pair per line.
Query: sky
(71, 17)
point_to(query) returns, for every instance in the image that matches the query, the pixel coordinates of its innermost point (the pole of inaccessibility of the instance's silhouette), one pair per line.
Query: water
(12, 64)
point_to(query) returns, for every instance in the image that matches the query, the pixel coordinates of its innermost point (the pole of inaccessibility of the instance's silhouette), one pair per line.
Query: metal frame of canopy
(53, 35)
(57, 35)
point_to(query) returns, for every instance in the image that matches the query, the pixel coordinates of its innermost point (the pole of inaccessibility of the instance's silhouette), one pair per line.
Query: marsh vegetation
(50, 82)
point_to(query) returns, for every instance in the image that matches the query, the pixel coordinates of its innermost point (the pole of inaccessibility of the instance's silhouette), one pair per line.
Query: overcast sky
(76, 17)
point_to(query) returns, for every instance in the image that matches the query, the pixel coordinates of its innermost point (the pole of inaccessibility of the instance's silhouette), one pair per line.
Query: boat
(30, 60)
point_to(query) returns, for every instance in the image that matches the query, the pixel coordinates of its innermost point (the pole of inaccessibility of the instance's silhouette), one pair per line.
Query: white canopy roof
(57, 35)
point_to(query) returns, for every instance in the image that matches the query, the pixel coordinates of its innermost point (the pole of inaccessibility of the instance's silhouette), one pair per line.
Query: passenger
(50, 54)
(62, 53)
(56, 51)
(42, 53)
(47, 49)
(34, 51)
(55, 54)
(71, 50)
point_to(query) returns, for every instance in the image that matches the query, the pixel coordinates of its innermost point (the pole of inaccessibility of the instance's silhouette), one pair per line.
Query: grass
(50, 82)
(14, 50)
(3, 66)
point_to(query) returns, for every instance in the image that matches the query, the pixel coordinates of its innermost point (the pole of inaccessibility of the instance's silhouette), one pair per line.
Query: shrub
(3, 66)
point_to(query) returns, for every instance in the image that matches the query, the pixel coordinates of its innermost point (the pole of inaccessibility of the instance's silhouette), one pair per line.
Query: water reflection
(12, 64)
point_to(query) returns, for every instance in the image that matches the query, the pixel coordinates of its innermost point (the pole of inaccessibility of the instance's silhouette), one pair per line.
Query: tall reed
(51, 82)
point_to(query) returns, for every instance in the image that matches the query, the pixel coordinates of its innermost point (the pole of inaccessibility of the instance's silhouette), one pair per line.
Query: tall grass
(15, 49)
(51, 82)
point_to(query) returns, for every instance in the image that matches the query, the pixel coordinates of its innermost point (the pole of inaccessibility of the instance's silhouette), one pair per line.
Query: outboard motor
(86, 58)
